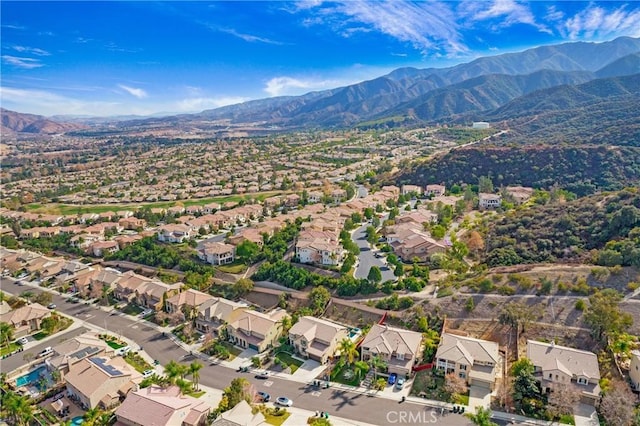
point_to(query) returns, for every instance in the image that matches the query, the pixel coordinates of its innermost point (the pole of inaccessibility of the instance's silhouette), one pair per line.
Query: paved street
(338, 402)
(367, 258)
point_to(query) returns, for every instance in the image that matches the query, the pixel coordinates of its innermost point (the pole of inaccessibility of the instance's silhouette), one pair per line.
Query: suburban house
(174, 233)
(160, 406)
(474, 360)
(256, 330)
(319, 247)
(75, 350)
(417, 245)
(399, 348)
(520, 194)
(411, 189)
(101, 382)
(102, 248)
(151, 294)
(26, 319)
(125, 288)
(240, 415)
(217, 253)
(190, 297)
(314, 197)
(435, 190)
(575, 368)
(489, 201)
(316, 338)
(634, 370)
(337, 195)
(215, 313)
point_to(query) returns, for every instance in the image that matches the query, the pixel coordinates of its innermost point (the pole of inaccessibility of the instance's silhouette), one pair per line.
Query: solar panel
(85, 352)
(109, 369)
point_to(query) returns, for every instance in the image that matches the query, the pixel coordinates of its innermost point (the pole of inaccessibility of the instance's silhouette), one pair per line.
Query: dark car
(392, 378)
(264, 397)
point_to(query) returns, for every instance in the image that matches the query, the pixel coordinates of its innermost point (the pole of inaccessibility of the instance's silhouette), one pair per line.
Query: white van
(45, 352)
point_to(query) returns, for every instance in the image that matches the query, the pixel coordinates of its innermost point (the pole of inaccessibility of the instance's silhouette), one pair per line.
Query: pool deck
(74, 409)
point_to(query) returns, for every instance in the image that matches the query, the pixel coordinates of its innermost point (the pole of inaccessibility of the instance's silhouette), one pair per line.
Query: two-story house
(101, 382)
(217, 253)
(474, 360)
(489, 201)
(399, 348)
(555, 364)
(26, 319)
(215, 313)
(174, 233)
(316, 338)
(190, 297)
(256, 330)
(435, 190)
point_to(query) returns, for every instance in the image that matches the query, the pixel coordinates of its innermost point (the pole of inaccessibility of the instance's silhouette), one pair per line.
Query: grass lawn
(197, 394)
(276, 420)
(40, 335)
(345, 375)
(233, 268)
(8, 349)
(429, 385)
(137, 362)
(115, 345)
(462, 399)
(292, 362)
(132, 309)
(233, 350)
(71, 209)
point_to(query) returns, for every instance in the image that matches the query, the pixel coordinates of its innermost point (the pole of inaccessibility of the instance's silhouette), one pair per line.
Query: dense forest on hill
(603, 228)
(582, 170)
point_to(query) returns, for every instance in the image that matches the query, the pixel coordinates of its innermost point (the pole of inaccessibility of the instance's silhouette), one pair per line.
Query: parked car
(145, 313)
(148, 373)
(284, 401)
(262, 375)
(400, 383)
(22, 341)
(392, 378)
(264, 397)
(45, 352)
(51, 306)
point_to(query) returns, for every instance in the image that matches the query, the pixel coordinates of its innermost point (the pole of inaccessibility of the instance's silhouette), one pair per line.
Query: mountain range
(502, 87)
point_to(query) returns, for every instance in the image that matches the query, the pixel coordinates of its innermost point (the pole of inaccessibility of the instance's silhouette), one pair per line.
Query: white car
(284, 401)
(148, 373)
(23, 341)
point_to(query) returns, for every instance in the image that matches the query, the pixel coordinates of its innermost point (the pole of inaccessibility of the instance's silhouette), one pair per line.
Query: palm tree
(172, 371)
(90, 418)
(6, 333)
(377, 364)
(184, 386)
(194, 370)
(18, 407)
(348, 351)
(360, 367)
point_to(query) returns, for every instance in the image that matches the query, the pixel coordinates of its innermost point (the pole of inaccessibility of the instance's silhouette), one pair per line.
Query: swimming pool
(77, 421)
(31, 377)
(354, 332)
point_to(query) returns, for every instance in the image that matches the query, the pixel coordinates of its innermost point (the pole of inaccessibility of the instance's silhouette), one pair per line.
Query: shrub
(580, 305)
(506, 290)
(470, 305)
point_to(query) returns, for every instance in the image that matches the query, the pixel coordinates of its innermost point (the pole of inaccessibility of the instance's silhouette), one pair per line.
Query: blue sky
(117, 58)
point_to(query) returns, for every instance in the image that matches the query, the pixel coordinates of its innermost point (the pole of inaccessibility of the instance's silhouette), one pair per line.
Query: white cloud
(595, 21)
(247, 37)
(200, 104)
(31, 50)
(428, 26)
(20, 62)
(134, 91)
(48, 103)
(506, 12)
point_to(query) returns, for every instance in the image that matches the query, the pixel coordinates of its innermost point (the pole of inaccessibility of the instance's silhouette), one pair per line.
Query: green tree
(239, 389)
(17, 407)
(375, 275)
(194, 371)
(348, 351)
(604, 316)
(248, 251)
(398, 271)
(243, 286)
(6, 333)
(482, 417)
(485, 184)
(318, 298)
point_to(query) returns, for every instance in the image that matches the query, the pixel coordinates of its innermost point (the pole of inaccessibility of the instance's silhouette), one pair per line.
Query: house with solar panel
(75, 350)
(101, 382)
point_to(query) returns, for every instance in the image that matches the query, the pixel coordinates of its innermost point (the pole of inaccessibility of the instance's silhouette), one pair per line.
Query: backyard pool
(77, 421)
(354, 332)
(31, 377)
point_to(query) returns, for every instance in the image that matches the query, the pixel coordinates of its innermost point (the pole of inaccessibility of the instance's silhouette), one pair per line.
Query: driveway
(479, 397)
(585, 415)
